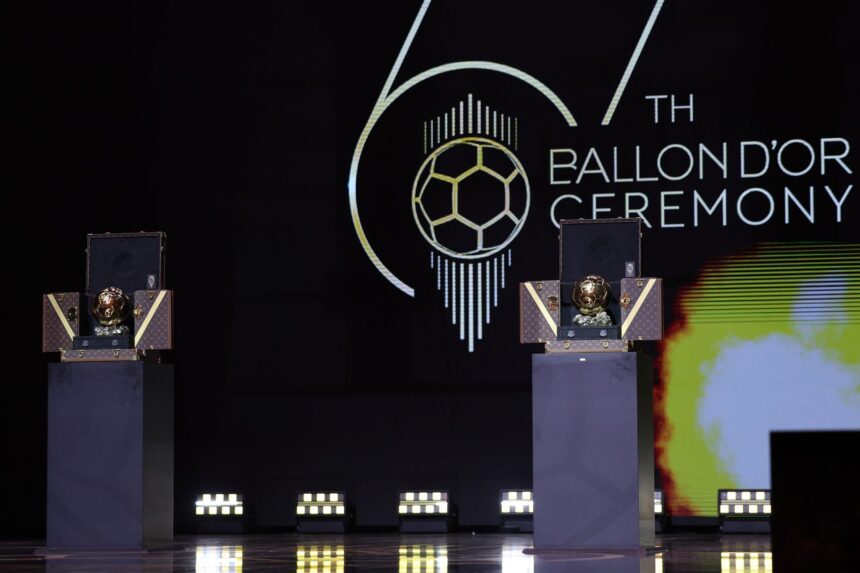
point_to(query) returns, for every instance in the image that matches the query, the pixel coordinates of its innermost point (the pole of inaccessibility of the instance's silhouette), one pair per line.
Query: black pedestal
(593, 449)
(110, 455)
(815, 487)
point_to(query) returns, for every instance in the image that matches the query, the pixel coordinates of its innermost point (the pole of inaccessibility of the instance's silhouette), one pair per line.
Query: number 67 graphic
(389, 96)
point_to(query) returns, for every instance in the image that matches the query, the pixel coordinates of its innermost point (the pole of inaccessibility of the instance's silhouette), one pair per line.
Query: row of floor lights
(745, 505)
(512, 502)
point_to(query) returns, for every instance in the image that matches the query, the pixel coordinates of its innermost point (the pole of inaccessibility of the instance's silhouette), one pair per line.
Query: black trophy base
(101, 342)
(110, 455)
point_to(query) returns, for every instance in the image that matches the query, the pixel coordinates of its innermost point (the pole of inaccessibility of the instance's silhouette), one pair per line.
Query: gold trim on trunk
(62, 316)
(639, 300)
(546, 315)
(139, 334)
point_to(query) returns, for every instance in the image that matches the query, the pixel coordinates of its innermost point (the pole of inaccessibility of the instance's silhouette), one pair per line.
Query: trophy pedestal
(593, 448)
(110, 455)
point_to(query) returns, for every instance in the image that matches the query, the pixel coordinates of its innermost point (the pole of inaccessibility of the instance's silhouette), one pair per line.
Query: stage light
(220, 513)
(321, 504)
(320, 559)
(516, 507)
(744, 510)
(422, 559)
(423, 502)
(516, 502)
(424, 511)
(218, 559)
(322, 512)
(744, 502)
(219, 504)
(731, 561)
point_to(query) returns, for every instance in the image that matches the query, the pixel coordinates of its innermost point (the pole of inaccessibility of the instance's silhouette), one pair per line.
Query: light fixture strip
(423, 496)
(744, 502)
(516, 495)
(423, 503)
(522, 507)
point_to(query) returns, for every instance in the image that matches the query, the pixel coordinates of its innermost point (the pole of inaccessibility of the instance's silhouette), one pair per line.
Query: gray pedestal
(593, 448)
(110, 455)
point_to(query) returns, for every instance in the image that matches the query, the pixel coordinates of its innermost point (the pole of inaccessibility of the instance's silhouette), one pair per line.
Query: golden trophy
(111, 308)
(591, 295)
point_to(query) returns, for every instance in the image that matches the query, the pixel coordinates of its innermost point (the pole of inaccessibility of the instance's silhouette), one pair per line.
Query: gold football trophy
(110, 307)
(591, 295)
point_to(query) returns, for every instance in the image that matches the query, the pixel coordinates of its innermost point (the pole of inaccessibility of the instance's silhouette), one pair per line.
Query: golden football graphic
(470, 197)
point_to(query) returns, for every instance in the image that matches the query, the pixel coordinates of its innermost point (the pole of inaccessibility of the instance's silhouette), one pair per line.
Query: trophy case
(125, 312)
(600, 302)
(110, 400)
(592, 419)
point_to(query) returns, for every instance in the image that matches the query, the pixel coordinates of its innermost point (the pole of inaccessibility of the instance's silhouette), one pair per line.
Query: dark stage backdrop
(349, 206)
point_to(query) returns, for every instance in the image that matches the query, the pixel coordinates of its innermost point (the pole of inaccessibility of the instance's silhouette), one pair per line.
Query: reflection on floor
(680, 553)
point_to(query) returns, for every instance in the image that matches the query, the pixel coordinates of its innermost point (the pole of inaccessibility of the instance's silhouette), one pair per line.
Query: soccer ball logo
(470, 197)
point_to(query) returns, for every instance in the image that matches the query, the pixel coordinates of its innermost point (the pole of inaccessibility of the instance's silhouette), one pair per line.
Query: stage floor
(681, 553)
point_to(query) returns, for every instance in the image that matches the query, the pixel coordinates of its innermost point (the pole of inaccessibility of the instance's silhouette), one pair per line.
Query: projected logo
(470, 199)
(470, 196)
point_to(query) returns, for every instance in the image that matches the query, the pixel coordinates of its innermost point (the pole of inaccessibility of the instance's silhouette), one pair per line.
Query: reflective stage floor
(681, 552)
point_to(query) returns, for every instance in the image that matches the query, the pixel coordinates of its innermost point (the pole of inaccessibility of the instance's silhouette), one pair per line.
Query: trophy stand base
(110, 455)
(593, 451)
(112, 330)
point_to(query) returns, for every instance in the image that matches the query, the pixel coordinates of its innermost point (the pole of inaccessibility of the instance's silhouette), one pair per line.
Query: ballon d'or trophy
(591, 294)
(111, 308)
